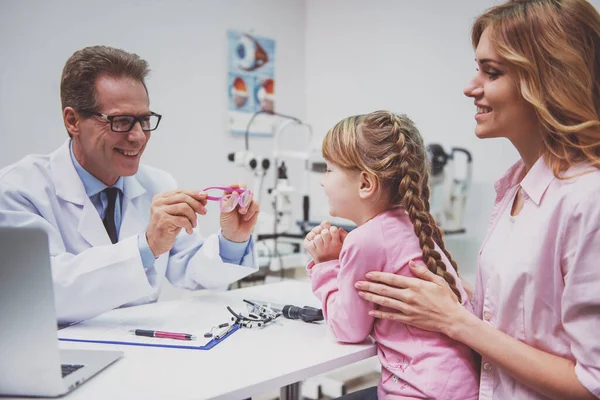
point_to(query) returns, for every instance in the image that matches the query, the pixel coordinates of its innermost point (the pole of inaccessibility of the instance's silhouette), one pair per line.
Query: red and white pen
(162, 334)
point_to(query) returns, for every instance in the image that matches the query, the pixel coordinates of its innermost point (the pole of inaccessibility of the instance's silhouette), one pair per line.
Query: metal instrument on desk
(306, 313)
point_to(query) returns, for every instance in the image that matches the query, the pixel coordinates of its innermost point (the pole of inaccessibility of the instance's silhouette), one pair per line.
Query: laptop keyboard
(69, 369)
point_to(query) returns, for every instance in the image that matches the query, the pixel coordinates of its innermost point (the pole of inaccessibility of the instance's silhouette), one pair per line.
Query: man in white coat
(115, 227)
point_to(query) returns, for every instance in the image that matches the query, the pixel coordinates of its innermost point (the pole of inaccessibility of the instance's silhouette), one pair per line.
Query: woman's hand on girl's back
(426, 302)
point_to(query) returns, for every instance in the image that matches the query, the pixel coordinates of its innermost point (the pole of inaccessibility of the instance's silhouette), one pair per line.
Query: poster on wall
(251, 83)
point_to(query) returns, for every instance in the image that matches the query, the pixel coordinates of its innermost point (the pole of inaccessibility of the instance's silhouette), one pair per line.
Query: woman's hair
(554, 48)
(390, 148)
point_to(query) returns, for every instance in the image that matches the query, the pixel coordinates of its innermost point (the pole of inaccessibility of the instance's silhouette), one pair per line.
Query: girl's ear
(368, 185)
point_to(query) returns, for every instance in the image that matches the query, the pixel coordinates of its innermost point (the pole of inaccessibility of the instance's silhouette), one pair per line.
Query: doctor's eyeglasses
(232, 197)
(125, 123)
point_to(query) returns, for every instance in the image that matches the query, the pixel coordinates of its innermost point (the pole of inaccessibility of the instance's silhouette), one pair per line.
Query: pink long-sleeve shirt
(538, 278)
(416, 364)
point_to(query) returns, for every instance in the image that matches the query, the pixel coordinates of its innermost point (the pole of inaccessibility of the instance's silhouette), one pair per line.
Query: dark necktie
(109, 216)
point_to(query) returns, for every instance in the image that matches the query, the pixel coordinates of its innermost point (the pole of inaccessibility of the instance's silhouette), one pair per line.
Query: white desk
(249, 362)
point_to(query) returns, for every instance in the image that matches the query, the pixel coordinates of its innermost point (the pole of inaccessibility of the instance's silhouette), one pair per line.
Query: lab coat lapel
(67, 183)
(69, 187)
(90, 225)
(133, 221)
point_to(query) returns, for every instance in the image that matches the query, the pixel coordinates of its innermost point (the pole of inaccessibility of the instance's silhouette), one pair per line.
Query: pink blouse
(538, 276)
(416, 364)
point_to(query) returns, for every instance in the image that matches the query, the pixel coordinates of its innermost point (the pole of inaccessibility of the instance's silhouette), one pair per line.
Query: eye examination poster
(251, 83)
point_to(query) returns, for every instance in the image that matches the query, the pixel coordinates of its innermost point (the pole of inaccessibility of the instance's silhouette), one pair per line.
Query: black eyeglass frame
(135, 120)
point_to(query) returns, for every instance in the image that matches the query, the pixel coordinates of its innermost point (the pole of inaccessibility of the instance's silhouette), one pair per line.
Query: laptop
(30, 359)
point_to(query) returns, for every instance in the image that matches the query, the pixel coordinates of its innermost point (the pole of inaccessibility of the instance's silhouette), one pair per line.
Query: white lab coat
(91, 275)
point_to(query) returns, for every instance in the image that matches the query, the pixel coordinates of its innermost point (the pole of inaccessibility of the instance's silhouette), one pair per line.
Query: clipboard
(114, 327)
(212, 343)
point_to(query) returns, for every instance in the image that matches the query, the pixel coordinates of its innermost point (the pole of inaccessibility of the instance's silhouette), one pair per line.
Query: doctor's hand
(171, 212)
(324, 242)
(237, 225)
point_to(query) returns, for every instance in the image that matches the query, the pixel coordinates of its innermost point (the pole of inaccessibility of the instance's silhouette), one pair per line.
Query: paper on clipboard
(115, 326)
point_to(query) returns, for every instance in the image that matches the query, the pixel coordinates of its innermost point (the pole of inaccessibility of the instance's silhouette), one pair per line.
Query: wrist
(151, 246)
(459, 324)
(235, 238)
(319, 260)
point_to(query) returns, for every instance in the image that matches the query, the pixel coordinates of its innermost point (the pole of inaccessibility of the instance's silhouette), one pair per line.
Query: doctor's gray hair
(85, 66)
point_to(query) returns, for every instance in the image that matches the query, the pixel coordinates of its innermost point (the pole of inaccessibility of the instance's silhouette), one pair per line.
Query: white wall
(411, 57)
(185, 44)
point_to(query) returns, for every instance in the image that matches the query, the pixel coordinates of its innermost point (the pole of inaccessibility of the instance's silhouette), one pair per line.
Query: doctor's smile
(131, 154)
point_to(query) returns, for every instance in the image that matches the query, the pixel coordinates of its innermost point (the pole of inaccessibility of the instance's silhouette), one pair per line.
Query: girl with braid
(377, 175)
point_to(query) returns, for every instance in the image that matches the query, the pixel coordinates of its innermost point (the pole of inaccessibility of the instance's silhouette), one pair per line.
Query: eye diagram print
(251, 82)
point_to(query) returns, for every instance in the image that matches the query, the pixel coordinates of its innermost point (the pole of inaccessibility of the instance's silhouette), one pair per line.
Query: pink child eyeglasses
(232, 198)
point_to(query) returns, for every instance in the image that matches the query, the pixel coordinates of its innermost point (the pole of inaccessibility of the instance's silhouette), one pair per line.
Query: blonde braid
(412, 202)
(437, 232)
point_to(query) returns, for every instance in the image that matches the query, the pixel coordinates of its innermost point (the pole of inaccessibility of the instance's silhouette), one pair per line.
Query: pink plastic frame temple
(227, 189)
